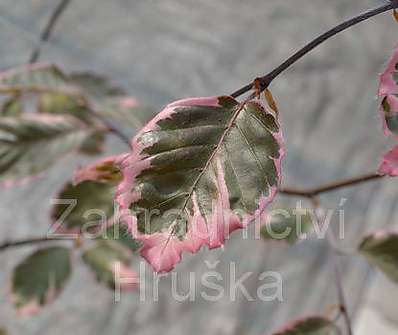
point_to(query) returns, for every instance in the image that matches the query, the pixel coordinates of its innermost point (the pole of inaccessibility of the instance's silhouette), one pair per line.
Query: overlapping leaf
(40, 278)
(87, 207)
(313, 325)
(106, 170)
(32, 143)
(388, 92)
(201, 169)
(381, 250)
(110, 262)
(286, 225)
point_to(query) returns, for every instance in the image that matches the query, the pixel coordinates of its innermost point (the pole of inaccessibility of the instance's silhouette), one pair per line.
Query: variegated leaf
(110, 261)
(37, 78)
(88, 206)
(32, 143)
(381, 250)
(105, 170)
(40, 278)
(388, 91)
(313, 325)
(201, 169)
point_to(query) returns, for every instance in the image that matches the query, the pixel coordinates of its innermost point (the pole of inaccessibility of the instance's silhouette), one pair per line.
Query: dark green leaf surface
(92, 208)
(286, 225)
(315, 325)
(40, 277)
(119, 233)
(103, 257)
(32, 143)
(381, 250)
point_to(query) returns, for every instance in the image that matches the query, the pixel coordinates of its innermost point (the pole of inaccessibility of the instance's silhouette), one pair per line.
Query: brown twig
(313, 192)
(28, 241)
(266, 80)
(46, 33)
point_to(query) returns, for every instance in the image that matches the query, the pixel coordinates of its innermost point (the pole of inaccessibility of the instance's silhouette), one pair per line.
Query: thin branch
(28, 241)
(336, 268)
(310, 193)
(46, 33)
(266, 80)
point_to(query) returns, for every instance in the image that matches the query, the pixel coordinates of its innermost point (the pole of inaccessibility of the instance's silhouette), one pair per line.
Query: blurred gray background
(162, 50)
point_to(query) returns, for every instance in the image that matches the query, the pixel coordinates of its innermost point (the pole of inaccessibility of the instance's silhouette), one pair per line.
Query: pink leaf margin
(387, 90)
(97, 171)
(389, 163)
(163, 250)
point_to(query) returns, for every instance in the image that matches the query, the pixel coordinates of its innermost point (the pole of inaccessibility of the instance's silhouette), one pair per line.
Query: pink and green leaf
(39, 279)
(110, 262)
(388, 91)
(202, 168)
(105, 170)
(30, 144)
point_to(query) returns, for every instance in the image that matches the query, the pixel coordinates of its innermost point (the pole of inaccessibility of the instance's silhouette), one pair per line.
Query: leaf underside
(40, 277)
(201, 165)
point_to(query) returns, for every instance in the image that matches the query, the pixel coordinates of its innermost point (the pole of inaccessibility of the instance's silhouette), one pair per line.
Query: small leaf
(12, 106)
(202, 168)
(119, 233)
(30, 144)
(37, 78)
(109, 261)
(106, 170)
(40, 278)
(87, 206)
(95, 85)
(286, 225)
(313, 325)
(381, 250)
(389, 164)
(271, 101)
(388, 91)
(59, 103)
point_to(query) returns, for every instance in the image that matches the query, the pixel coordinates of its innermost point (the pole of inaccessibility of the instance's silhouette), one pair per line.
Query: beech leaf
(286, 225)
(119, 233)
(12, 106)
(109, 261)
(202, 168)
(40, 278)
(88, 205)
(36, 78)
(388, 91)
(32, 143)
(381, 250)
(313, 325)
(105, 170)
